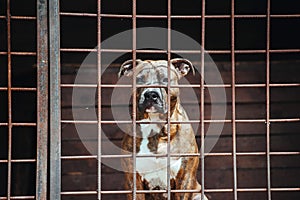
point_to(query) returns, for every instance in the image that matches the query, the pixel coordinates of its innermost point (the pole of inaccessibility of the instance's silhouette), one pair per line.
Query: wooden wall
(251, 137)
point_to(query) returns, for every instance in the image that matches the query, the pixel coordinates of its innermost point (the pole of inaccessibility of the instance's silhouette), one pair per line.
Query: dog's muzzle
(152, 100)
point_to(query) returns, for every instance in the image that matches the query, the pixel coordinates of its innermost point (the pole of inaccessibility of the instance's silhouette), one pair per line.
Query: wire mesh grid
(257, 150)
(233, 86)
(236, 155)
(23, 172)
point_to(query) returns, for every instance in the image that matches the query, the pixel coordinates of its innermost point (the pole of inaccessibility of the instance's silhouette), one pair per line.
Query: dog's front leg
(188, 181)
(129, 186)
(127, 166)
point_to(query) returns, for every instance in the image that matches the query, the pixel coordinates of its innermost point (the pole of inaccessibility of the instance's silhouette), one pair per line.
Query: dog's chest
(153, 170)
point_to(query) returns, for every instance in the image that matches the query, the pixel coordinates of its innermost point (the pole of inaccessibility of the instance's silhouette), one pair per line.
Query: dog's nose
(151, 96)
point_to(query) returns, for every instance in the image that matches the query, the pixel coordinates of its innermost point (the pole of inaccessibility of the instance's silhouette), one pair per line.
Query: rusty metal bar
(18, 89)
(284, 50)
(19, 53)
(99, 75)
(169, 102)
(252, 85)
(233, 114)
(134, 102)
(79, 193)
(172, 122)
(19, 17)
(114, 156)
(79, 14)
(253, 190)
(19, 161)
(18, 124)
(221, 190)
(9, 86)
(84, 14)
(255, 51)
(77, 50)
(202, 87)
(18, 197)
(268, 145)
(55, 101)
(42, 101)
(214, 51)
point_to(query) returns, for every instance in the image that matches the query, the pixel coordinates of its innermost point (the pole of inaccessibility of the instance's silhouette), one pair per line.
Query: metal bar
(285, 120)
(215, 51)
(284, 50)
(125, 192)
(268, 101)
(172, 122)
(284, 189)
(252, 85)
(284, 84)
(252, 190)
(77, 50)
(18, 197)
(221, 190)
(117, 16)
(9, 86)
(202, 87)
(84, 14)
(285, 16)
(19, 161)
(55, 101)
(79, 157)
(18, 89)
(99, 73)
(23, 124)
(169, 103)
(79, 193)
(134, 102)
(233, 102)
(19, 17)
(42, 101)
(79, 14)
(114, 156)
(19, 53)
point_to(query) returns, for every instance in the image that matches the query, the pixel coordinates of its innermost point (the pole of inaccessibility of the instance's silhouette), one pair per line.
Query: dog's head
(152, 81)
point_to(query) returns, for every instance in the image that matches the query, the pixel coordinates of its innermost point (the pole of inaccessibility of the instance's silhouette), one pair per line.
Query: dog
(152, 138)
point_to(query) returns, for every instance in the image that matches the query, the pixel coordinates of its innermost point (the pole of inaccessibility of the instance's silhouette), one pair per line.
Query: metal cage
(254, 44)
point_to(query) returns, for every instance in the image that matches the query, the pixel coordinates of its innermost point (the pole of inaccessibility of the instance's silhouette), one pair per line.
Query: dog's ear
(127, 66)
(183, 66)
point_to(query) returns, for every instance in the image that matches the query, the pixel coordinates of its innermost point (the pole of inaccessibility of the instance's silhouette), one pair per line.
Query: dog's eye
(139, 79)
(165, 80)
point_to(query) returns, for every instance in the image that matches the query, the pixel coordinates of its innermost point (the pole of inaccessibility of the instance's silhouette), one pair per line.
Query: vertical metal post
(99, 95)
(169, 103)
(55, 101)
(268, 100)
(9, 91)
(134, 103)
(233, 102)
(42, 101)
(202, 97)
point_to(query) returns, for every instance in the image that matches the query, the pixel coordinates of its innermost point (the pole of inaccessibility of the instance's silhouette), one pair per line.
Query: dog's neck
(155, 116)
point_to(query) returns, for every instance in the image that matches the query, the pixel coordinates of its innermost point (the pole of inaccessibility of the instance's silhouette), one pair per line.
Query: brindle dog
(152, 138)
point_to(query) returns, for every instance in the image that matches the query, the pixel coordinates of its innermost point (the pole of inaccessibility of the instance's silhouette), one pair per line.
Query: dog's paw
(198, 197)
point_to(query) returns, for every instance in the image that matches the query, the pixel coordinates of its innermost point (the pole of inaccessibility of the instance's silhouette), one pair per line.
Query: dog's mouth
(151, 107)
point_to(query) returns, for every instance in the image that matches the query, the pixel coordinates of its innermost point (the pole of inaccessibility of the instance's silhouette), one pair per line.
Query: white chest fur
(151, 169)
